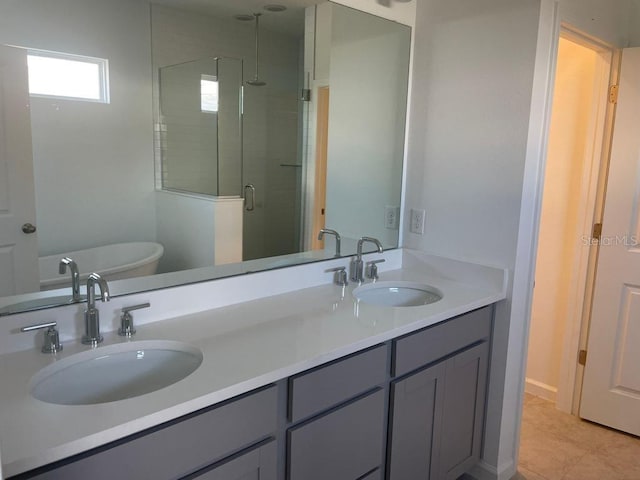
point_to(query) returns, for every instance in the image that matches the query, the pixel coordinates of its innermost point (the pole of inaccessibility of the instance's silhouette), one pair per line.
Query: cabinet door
(344, 444)
(463, 412)
(437, 417)
(257, 464)
(416, 403)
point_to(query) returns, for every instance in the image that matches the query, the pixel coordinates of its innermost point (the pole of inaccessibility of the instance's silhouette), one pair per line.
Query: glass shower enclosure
(218, 138)
(201, 127)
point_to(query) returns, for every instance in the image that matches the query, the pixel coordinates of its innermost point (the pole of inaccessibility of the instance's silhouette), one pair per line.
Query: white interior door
(18, 249)
(611, 388)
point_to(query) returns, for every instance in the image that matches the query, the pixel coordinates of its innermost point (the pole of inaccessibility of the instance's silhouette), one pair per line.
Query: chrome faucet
(357, 265)
(75, 277)
(91, 314)
(331, 232)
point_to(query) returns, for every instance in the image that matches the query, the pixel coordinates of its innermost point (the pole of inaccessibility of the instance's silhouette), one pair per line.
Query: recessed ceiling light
(244, 17)
(275, 8)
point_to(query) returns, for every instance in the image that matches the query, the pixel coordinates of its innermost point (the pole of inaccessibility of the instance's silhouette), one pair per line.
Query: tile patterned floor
(558, 446)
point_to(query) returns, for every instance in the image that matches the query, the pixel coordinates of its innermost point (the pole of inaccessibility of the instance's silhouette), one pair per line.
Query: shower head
(256, 82)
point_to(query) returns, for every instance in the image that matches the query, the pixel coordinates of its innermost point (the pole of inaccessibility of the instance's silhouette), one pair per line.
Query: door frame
(594, 176)
(508, 422)
(320, 175)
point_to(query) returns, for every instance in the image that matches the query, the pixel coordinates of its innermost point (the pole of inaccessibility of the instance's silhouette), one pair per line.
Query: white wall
(559, 235)
(472, 85)
(401, 12)
(469, 137)
(634, 24)
(93, 163)
(198, 231)
(366, 128)
(608, 20)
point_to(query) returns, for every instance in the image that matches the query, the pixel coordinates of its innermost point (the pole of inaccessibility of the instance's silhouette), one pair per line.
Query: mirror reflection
(167, 142)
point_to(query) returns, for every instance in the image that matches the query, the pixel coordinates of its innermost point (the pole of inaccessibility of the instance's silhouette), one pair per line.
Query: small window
(63, 75)
(209, 93)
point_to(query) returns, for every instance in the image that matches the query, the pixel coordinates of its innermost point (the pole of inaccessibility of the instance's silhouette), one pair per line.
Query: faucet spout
(357, 265)
(334, 233)
(375, 241)
(91, 314)
(75, 277)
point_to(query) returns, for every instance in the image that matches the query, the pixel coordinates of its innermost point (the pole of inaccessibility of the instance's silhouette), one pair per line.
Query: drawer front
(376, 475)
(345, 444)
(310, 393)
(180, 448)
(259, 463)
(428, 345)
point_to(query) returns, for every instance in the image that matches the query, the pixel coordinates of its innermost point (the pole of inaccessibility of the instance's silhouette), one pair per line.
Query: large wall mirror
(165, 142)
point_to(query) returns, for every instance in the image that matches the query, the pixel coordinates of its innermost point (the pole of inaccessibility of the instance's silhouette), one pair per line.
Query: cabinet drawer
(312, 392)
(375, 475)
(345, 444)
(428, 345)
(258, 463)
(179, 448)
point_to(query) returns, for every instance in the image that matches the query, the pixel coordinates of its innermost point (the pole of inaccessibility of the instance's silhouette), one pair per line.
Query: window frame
(103, 75)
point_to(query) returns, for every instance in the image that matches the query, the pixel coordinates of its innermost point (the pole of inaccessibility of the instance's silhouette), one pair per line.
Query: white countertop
(245, 346)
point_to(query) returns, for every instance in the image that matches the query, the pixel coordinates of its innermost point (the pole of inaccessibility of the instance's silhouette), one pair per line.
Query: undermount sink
(397, 294)
(115, 372)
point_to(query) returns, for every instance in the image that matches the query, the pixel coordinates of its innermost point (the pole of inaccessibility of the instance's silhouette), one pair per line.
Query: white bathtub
(112, 262)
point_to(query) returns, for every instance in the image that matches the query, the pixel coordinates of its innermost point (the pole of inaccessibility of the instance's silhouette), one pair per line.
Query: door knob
(28, 228)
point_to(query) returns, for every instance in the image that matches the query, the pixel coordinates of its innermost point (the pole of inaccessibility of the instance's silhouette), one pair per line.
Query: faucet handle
(372, 269)
(51, 337)
(126, 320)
(339, 276)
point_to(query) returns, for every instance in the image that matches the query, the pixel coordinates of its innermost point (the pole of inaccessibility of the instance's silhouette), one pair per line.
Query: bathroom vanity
(305, 385)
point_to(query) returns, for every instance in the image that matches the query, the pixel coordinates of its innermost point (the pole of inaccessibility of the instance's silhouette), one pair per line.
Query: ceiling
(290, 21)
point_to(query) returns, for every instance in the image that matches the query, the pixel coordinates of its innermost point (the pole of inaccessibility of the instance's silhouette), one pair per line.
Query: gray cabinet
(259, 463)
(178, 448)
(326, 386)
(465, 384)
(344, 403)
(415, 423)
(409, 409)
(437, 412)
(345, 444)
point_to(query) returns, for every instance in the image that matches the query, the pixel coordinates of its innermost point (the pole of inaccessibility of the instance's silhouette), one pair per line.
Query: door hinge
(597, 231)
(582, 357)
(613, 94)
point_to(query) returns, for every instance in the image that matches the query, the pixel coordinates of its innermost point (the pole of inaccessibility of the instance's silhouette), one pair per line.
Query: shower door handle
(252, 194)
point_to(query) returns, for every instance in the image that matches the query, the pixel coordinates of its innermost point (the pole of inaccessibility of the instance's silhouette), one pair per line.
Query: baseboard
(484, 471)
(541, 390)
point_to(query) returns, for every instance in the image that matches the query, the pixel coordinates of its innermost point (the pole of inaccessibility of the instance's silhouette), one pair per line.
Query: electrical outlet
(391, 217)
(417, 221)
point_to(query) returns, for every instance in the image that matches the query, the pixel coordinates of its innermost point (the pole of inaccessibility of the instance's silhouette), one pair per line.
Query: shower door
(272, 173)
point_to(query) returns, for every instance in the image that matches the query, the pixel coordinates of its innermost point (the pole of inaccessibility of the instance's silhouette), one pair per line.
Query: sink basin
(397, 294)
(115, 372)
